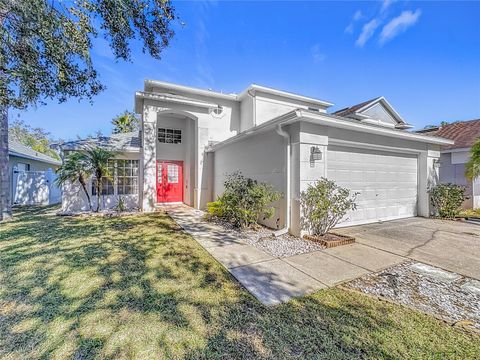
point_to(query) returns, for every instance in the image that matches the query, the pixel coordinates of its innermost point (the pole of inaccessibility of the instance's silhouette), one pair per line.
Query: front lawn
(139, 287)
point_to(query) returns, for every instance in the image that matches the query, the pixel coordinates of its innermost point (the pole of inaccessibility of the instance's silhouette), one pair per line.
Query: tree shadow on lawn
(138, 287)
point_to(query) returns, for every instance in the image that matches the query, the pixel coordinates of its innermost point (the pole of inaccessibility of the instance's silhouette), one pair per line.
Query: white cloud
(358, 15)
(367, 32)
(349, 28)
(386, 4)
(398, 25)
(317, 54)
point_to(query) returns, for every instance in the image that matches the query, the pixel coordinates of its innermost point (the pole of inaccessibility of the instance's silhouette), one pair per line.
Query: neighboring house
(192, 138)
(455, 156)
(33, 166)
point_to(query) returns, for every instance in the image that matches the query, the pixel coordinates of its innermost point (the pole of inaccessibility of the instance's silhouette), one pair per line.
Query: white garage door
(386, 182)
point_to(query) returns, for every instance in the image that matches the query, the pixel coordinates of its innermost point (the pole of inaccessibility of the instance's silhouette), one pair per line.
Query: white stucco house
(191, 138)
(454, 156)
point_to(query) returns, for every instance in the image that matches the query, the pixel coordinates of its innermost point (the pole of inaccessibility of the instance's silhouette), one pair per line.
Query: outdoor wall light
(437, 163)
(315, 153)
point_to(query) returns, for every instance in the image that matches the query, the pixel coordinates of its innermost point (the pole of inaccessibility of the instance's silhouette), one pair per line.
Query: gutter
(154, 96)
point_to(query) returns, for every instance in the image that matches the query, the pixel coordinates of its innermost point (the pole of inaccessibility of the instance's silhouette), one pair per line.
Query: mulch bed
(330, 240)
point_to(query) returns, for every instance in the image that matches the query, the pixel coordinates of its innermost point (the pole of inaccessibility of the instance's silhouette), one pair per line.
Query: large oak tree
(45, 52)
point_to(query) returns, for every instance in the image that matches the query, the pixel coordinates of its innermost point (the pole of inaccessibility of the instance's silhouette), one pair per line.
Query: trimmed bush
(447, 200)
(244, 201)
(324, 204)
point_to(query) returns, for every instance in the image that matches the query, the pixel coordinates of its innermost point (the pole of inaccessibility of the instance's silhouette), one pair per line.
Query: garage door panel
(386, 182)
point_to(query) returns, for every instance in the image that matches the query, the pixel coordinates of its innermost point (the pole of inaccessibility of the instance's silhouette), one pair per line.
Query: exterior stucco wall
(75, 200)
(205, 128)
(260, 157)
(454, 172)
(268, 106)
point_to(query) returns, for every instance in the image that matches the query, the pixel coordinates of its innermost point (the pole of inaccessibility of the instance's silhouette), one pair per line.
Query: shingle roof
(128, 142)
(354, 108)
(15, 148)
(464, 133)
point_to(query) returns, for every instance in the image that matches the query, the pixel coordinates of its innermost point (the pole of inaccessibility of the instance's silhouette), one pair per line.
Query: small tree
(472, 168)
(74, 168)
(126, 122)
(324, 204)
(447, 200)
(244, 201)
(96, 160)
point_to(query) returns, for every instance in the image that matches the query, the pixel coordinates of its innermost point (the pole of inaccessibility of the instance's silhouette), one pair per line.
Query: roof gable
(377, 111)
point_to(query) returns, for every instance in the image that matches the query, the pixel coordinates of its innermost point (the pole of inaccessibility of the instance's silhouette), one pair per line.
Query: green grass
(138, 287)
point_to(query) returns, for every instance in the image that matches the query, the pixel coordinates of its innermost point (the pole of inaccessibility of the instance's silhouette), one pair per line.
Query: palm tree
(74, 168)
(472, 167)
(96, 160)
(126, 122)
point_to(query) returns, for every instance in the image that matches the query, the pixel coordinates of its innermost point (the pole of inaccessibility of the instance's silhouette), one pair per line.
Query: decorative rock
(434, 273)
(472, 286)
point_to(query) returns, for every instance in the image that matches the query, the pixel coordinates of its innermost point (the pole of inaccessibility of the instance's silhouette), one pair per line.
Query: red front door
(169, 181)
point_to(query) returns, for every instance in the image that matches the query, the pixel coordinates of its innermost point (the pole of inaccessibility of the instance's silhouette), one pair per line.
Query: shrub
(447, 199)
(244, 201)
(324, 204)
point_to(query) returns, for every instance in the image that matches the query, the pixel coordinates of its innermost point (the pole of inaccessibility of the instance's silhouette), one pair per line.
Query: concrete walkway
(274, 280)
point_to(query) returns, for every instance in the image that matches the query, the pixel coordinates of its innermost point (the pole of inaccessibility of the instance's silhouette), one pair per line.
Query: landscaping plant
(96, 160)
(74, 168)
(447, 200)
(244, 201)
(324, 204)
(472, 167)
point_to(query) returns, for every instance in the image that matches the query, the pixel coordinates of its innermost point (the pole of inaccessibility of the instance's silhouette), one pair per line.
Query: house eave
(150, 84)
(254, 87)
(333, 121)
(141, 95)
(20, 155)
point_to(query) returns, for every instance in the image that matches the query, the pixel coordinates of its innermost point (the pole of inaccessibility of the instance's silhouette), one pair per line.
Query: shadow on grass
(137, 286)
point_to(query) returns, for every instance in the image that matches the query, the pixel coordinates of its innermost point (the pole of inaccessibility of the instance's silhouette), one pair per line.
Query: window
(123, 181)
(172, 173)
(127, 177)
(107, 182)
(169, 136)
(23, 167)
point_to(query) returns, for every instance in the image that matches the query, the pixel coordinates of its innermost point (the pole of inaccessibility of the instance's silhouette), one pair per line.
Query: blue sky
(424, 57)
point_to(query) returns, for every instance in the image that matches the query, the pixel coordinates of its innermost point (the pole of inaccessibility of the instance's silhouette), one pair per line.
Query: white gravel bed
(445, 299)
(263, 239)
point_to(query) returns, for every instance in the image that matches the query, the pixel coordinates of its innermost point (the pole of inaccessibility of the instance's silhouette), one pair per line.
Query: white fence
(35, 188)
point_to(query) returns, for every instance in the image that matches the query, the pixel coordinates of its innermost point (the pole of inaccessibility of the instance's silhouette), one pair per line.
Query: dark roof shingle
(354, 108)
(116, 142)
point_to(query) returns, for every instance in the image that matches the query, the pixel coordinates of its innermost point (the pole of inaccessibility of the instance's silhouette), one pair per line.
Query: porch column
(149, 143)
(427, 179)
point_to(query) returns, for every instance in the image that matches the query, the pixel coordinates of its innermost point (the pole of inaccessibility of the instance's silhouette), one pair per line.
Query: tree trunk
(5, 203)
(82, 182)
(99, 189)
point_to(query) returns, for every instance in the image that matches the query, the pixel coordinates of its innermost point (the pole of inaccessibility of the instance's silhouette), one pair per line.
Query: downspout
(286, 136)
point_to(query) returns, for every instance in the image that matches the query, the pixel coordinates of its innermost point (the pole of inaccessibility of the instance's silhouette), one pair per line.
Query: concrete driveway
(450, 245)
